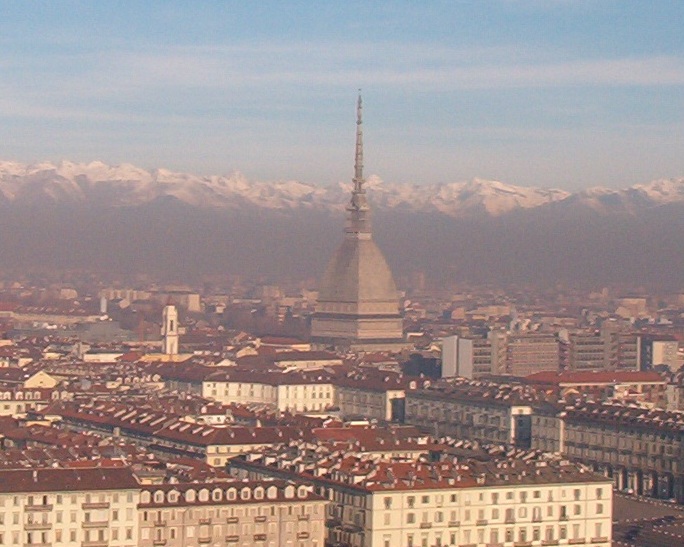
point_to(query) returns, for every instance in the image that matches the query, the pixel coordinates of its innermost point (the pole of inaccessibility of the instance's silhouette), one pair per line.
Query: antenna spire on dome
(358, 159)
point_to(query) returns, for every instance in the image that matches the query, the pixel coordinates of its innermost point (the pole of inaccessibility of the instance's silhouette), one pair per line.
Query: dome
(357, 273)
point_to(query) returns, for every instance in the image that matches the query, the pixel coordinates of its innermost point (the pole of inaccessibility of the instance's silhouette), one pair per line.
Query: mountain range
(124, 219)
(127, 185)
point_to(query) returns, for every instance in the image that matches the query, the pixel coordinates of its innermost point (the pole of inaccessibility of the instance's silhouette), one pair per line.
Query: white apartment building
(284, 391)
(91, 507)
(419, 504)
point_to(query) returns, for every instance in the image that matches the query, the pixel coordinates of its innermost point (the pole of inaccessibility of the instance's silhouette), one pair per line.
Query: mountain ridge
(97, 183)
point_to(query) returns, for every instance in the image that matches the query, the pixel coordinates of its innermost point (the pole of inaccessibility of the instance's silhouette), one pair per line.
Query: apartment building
(530, 353)
(268, 513)
(415, 503)
(294, 391)
(91, 507)
(474, 410)
(638, 448)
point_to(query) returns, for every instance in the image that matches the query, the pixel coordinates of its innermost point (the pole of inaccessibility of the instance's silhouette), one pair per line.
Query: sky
(553, 93)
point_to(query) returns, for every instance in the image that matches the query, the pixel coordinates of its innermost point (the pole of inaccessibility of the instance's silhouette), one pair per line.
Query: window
(562, 532)
(410, 518)
(599, 508)
(597, 530)
(577, 493)
(578, 510)
(454, 499)
(426, 499)
(411, 501)
(388, 502)
(599, 493)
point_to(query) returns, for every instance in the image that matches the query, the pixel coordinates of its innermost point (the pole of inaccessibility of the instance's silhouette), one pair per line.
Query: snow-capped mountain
(126, 185)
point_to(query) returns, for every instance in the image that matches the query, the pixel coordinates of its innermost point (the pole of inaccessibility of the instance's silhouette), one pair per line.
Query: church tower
(170, 330)
(358, 302)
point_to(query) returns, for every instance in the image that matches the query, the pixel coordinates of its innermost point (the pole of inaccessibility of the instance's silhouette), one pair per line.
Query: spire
(358, 159)
(358, 225)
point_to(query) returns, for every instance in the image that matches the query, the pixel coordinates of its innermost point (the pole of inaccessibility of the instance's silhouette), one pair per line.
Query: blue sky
(561, 93)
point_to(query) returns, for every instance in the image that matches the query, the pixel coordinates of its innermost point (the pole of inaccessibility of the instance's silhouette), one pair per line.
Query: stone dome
(357, 273)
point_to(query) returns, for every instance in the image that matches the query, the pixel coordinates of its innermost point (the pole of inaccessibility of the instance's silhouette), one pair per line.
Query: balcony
(454, 523)
(160, 523)
(425, 525)
(260, 518)
(599, 540)
(205, 521)
(159, 542)
(95, 543)
(232, 520)
(481, 522)
(577, 541)
(522, 544)
(95, 505)
(37, 526)
(301, 535)
(46, 507)
(232, 539)
(302, 517)
(550, 542)
(259, 537)
(510, 520)
(563, 517)
(95, 524)
(204, 539)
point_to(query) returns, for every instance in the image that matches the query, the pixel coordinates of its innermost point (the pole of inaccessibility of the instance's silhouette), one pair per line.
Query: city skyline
(561, 94)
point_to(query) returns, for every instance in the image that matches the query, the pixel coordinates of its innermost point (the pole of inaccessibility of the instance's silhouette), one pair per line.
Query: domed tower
(358, 302)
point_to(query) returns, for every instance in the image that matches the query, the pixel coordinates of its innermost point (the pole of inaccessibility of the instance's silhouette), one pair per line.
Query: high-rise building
(358, 302)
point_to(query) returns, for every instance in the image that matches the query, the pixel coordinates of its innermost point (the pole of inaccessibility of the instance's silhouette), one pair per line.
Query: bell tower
(170, 330)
